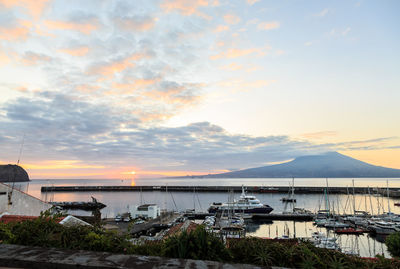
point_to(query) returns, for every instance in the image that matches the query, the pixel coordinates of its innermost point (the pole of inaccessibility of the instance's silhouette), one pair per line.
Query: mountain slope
(331, 164)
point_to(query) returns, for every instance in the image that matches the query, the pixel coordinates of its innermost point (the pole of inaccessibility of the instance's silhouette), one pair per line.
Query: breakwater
(394, 192)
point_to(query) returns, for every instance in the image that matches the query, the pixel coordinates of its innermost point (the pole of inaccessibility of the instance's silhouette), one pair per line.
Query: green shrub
(198, 244)
(393, 244)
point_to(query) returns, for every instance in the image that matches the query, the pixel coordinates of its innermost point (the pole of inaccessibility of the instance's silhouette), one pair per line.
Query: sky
(119, 89)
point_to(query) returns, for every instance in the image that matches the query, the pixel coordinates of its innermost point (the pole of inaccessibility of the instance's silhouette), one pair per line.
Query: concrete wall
(22, 203)
(49, 258)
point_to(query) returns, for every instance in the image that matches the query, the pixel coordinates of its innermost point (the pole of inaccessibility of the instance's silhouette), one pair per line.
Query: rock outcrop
(13, 173)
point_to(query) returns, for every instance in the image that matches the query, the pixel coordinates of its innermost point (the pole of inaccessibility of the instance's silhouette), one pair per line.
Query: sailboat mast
(327, 197)
(292, 187)
(387, 187)
(370, 202)
(354, 200)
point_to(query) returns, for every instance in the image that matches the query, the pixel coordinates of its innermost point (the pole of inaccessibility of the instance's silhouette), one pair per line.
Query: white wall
(22, 203)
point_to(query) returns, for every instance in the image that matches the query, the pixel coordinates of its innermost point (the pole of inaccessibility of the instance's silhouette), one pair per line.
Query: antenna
(10, 193)
(20, 150)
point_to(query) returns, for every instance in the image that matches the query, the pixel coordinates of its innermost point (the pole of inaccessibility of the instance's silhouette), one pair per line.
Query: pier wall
(254, 189)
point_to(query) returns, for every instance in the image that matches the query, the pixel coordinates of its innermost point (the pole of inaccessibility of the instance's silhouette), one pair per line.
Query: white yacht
(246, 204)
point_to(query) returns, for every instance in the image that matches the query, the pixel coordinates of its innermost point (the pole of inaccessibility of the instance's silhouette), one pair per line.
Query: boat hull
(256, 210)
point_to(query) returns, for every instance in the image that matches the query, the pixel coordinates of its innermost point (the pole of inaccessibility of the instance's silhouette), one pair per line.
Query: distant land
(327, 165)
(13, 173)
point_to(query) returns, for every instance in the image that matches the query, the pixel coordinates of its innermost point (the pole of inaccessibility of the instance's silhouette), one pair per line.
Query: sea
(119, 202)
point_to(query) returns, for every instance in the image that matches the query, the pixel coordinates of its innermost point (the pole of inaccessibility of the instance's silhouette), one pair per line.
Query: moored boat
(246, 204)
(350, 231)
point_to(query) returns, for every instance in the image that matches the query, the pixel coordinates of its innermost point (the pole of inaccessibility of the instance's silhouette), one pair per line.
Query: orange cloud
(179, 96)
(21, 89)
(109, 69)
(169, 173)
(87, 88)
(133, 24)
(60, 164)
(85, 28)
(220, 44)
(133, 86)
(31, 58)
(235, 53)
(232, 67)
(80, 51)
(221, 28)
(34, 7)
(3, 58)
(268, 25)
(252, 2)
(231, 19)
(149, 117)
(19, 32)
(188, 7)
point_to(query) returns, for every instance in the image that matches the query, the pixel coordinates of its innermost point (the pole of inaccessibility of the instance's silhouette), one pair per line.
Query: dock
(283, 216)
(394, 192)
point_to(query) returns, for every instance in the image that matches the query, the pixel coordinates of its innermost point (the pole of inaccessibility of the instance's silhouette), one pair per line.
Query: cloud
(4, 59)
(308, 43)
(231, 19)
(33, 7)
(232, 67)
(132, 86)
(188, 7)
(83, 27)
(17, 31)
(109, 68)
(221, 28)
(346, 31)
(339, 33)
(322, 13)
(136, 23)
(268, 25)
(77, 51)
(33, 58)
(82, 134)
(60, 164)
(369, 144)
(252, 2)
(235, 53)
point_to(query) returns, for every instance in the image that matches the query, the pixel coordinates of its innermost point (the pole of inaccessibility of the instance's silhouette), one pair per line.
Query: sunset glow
(126, 89)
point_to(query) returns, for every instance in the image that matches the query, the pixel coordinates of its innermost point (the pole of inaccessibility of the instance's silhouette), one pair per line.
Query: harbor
(192, 203)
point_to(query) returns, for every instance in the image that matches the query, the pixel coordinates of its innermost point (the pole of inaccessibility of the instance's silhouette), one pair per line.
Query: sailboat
(290, 198)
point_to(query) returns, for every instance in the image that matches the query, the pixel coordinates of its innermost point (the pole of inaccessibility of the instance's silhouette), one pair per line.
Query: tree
(393, 244)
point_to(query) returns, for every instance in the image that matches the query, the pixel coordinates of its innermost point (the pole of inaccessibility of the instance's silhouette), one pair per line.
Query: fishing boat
(246, 204)
(93, 205)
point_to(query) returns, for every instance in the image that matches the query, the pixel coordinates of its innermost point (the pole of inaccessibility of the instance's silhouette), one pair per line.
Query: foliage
(393, 244)
(5, 233)
(199, 244)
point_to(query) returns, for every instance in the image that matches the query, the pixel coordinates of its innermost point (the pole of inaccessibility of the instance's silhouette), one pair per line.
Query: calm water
(119, 202)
